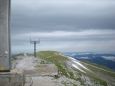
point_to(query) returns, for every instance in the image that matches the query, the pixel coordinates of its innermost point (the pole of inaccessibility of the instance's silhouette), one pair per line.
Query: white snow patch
(78, 68)
(81, 65)
(71, 58)
(78, 62)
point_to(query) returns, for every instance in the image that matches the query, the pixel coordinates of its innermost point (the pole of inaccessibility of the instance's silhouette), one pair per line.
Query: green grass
(15, 56)
(57, 59)
(92, 77)
(96, 72)
(111, 73)
(100, 66)
(79, 79)
(54, 57)
(60, 62)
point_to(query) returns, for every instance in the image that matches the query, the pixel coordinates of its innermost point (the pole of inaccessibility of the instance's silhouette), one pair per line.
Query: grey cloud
(48, 16)
(62, 23)
(59, 36)
(69, 15)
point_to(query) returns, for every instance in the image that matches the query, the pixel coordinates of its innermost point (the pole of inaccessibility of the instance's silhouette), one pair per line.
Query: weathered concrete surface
(28, 81)
(42, 70)
(13, 78)
(43, 81)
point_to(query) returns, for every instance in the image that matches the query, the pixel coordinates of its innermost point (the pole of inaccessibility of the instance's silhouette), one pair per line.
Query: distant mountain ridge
(105, 59)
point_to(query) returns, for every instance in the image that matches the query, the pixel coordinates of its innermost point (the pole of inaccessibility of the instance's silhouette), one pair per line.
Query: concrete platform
(28, 81)
(41, 73)
(44, 81)
(13, 78)
(42, 70)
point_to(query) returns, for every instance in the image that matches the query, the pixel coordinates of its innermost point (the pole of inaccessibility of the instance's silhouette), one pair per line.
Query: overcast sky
(63, 25)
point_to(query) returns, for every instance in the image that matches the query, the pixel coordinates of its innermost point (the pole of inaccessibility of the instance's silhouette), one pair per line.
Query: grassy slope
(102, 73)
(100, 66)
(15, 56)
(54, 57)
(60, 61)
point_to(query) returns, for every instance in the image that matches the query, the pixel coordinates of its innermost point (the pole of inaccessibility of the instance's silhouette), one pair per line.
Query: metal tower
(34, 42)
(5, 50)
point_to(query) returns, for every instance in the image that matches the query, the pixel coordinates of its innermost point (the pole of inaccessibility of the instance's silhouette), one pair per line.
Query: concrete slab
(42, 70)
(28, 81)
(13, 78)
(43, 81)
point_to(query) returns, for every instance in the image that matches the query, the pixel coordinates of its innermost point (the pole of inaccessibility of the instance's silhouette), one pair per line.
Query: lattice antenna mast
(34, 42)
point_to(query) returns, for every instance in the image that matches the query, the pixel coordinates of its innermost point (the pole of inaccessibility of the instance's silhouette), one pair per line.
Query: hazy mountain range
(105, 59)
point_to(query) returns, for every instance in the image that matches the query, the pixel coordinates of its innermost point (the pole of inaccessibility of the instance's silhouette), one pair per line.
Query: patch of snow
(71, 58)
(78, 68)
(78, 62)
(81, 65)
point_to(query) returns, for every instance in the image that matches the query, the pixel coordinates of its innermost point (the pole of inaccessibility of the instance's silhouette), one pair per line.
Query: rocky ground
(55, 69)
(29, 63)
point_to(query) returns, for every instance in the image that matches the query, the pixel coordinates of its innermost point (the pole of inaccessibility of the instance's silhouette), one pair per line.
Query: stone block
(12, 78)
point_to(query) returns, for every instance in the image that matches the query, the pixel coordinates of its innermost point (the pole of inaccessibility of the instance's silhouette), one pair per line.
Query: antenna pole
(35, 49)
(34, 42)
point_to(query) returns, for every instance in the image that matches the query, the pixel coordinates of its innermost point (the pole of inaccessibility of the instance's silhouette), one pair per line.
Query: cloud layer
(64, 25)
